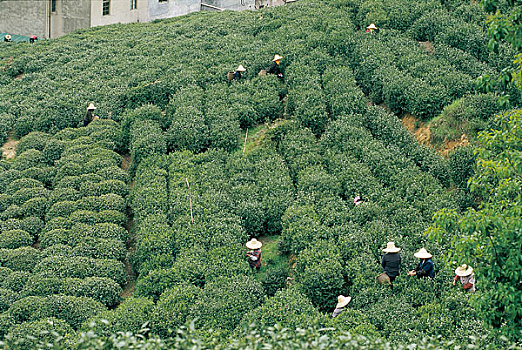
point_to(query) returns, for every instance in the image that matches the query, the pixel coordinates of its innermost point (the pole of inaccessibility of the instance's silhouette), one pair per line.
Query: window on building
(133, 4)
(163, 0)
(106, 7)
(53, 5)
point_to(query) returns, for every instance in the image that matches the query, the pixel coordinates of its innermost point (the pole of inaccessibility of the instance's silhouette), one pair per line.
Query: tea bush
(15, 239)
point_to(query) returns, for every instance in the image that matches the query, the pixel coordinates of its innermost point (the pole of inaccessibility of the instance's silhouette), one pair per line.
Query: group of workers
(275, 68)
(391, 263)
(8, 38)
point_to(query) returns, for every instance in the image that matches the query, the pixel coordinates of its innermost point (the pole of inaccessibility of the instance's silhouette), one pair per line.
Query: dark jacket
(274, 69)
(391, 262)
(89, 116)
(237, 75)
(426, 268)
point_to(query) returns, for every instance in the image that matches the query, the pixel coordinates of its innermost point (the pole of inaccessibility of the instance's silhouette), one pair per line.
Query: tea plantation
(130, 232)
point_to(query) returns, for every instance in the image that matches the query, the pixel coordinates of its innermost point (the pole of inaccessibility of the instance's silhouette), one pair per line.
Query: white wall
(172, 8)
(120, 12)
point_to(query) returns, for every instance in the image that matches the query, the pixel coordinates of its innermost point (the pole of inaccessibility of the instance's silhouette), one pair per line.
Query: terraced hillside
(214, 163)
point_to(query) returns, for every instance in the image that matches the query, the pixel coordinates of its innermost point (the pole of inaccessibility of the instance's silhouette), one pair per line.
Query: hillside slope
(196, 198)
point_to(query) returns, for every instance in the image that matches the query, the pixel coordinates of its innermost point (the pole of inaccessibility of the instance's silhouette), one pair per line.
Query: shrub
(173, 308)
(99, 248)
(146, 139)
(101, 230)
(73, 310)
(154, 237)
(112, 217)
(7, 121)
(145, 112)
(188, 130)
(113, 173)
(462, 165)
(81, 267)
(29, 159)
(224, 132)
(31, 224)
(35, 207)
(5, 201)
(101, 289)
(319, 274)
(288, 308)
(53, 150)
(14, 280)
(8, 176)
(20, 259)
(63, 194)
(57, 223)
(130, 316)
(15, 239)
(22, 183)
(83, 217)
(224, 301)
(38, 286)
(29, 334)
(24, 194)
(45, 175)
(7, 298)
(156, 282)
(61, 209)
(33, 140)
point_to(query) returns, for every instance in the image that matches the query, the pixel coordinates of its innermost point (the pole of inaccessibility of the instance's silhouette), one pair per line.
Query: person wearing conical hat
(391, 260)
(33, 38)
(426, 268)
(7, 38)
(371, 28)
(89, 115)
(465, 274)
(275, 68)
(342, 301)
(254, 254)
(237, 73)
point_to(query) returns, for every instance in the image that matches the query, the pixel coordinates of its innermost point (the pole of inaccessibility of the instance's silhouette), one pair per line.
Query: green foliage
(318, 274)
(173, 308)
(487, 238)
(29, 334)
(34, 140)
(223, 301)
(15, 239)
(288, 308)
(20, 259)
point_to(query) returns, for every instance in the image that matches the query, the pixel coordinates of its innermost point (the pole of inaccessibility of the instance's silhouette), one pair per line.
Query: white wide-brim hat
(342, 301)
(254, 244)
(8, 37)
(277, 58)
(91, 106)
(371, 26)
(464, 270)
(391, 248)
(422, 254)
(240, 68)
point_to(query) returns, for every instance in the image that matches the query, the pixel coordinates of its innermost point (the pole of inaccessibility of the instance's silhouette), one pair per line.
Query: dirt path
(9, 148)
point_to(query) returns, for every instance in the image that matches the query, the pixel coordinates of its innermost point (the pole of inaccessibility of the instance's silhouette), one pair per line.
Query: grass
(270, 256)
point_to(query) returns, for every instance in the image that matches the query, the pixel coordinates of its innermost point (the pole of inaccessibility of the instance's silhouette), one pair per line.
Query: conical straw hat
(241, 68)
(254, 244)
(91, 106)
(391, 248)
(371, 26)
(277, 58)
(422, 254)
(342, 301)
(464, 270)
(8, 37)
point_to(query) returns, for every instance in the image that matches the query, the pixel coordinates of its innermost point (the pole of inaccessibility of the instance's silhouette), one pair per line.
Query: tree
(505, 24)
(490, 238)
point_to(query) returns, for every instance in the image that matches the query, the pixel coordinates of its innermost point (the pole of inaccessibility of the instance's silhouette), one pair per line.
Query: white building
(53, 18)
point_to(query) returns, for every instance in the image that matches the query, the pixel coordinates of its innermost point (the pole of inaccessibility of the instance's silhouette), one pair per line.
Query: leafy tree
(490, 238)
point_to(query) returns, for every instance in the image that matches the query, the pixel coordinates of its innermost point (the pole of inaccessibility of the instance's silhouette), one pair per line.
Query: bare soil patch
(9, 148)
(427, 46)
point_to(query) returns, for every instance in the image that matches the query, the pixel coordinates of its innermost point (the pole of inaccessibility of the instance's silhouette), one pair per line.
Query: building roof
(15, 38)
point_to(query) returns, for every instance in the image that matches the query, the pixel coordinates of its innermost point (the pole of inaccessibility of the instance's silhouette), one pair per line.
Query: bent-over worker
(426, 268)
(254, 255)
(466, 276)
(342, 301)
(238, 71)
(275, 68)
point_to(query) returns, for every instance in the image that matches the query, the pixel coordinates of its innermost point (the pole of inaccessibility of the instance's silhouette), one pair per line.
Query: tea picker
(89, 115)
(426, 268)
(342, 301)
(254, 254)
(391, 263)
(236, 75)
(7, 38)
(371, 28)
(466, 276)
(275, 68)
